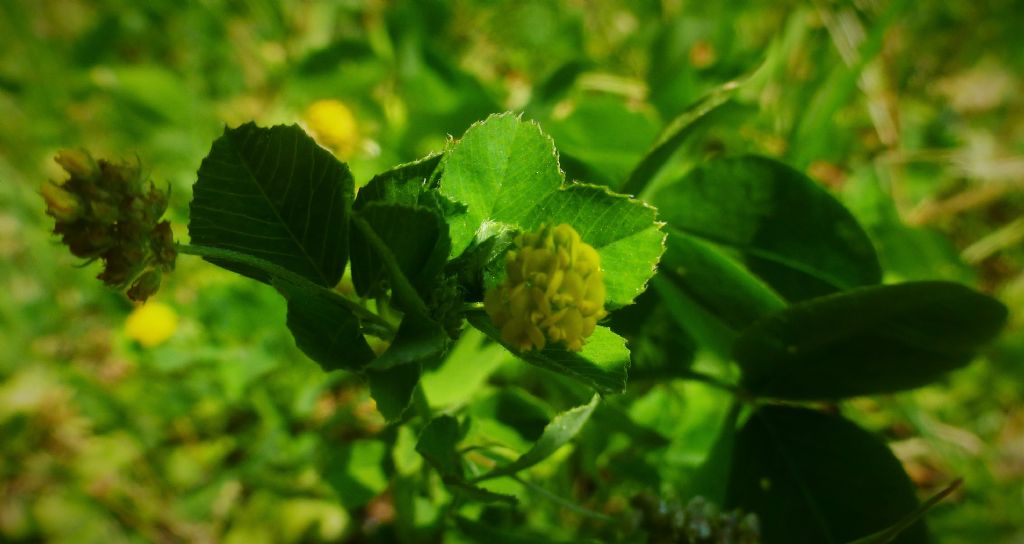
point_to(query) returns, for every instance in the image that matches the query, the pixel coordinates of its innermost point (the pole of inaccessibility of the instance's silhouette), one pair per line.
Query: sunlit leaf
(505, 170)
(556, 434)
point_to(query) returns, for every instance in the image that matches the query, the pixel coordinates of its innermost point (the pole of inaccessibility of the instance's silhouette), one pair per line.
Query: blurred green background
(220, 430)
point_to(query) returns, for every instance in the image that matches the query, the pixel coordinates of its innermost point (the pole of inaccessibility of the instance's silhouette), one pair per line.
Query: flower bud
(60, 204)
(145, 286)
(77, 163)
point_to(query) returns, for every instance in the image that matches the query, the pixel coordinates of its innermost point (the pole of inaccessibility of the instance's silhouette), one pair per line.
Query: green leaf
(437, 445)
(274, 194)
(556, 434)
(659, 348)
(416, 237)
(392, 389)
(403, 184)
(889, 535)
(812, 477)
(418, 340)
(792, 233)
(707, 330)
(356, 473)
(506, 171)
(474, 493)
(324, 329)
(482, 264)
(870, 340)
(508, 416)
(602, 364)
(716, 282)
(402, 248)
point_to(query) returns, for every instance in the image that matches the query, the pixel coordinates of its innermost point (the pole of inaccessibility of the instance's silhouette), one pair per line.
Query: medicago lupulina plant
(745, 257)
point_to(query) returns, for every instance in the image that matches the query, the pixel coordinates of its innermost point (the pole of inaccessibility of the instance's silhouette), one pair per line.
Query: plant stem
(713, 382)
(566, 503)
(375, 321)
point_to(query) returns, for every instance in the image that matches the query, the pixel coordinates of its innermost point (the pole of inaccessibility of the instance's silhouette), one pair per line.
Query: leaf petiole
(373, 323)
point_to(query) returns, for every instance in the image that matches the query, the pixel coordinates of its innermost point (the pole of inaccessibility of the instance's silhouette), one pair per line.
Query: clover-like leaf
(325, 329)
(791, 233)
(870, 340)
(556, 434)
(505, 170)
(838, 480)
(274, 194)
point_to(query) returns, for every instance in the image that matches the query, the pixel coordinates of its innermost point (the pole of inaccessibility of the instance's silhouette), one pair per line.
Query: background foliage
(908, 113)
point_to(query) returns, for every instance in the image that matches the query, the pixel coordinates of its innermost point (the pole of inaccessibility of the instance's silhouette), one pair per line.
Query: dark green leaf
(506, 170)
(474, 493)
(602, 364)
(482, 263)
(511, 409)
(870, 340)
(403, 184)
(707, 331)
(659, 348)
(890, 534)
(437, 445)
(274, 194)
(392, 389)
(418, 340)
(416, 237)
(812, 477)
(356, 473)
(324, 328)
(719, 284)
(556, 434)
(557, 84)
(792, 233)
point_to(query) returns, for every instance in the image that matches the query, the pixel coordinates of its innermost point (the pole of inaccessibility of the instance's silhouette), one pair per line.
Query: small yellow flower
(334, 126)
(553, 290)
(151, 324)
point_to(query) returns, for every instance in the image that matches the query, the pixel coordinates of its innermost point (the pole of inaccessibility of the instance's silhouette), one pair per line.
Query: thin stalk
(373, 320)
(714, 382)
(561, 501)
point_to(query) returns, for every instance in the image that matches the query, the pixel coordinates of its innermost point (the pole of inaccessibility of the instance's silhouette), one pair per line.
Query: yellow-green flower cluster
(553, 290)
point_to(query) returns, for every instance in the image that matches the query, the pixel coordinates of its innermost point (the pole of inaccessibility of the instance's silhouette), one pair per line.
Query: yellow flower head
(553, 290)
(334, 126)
(151, 324)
